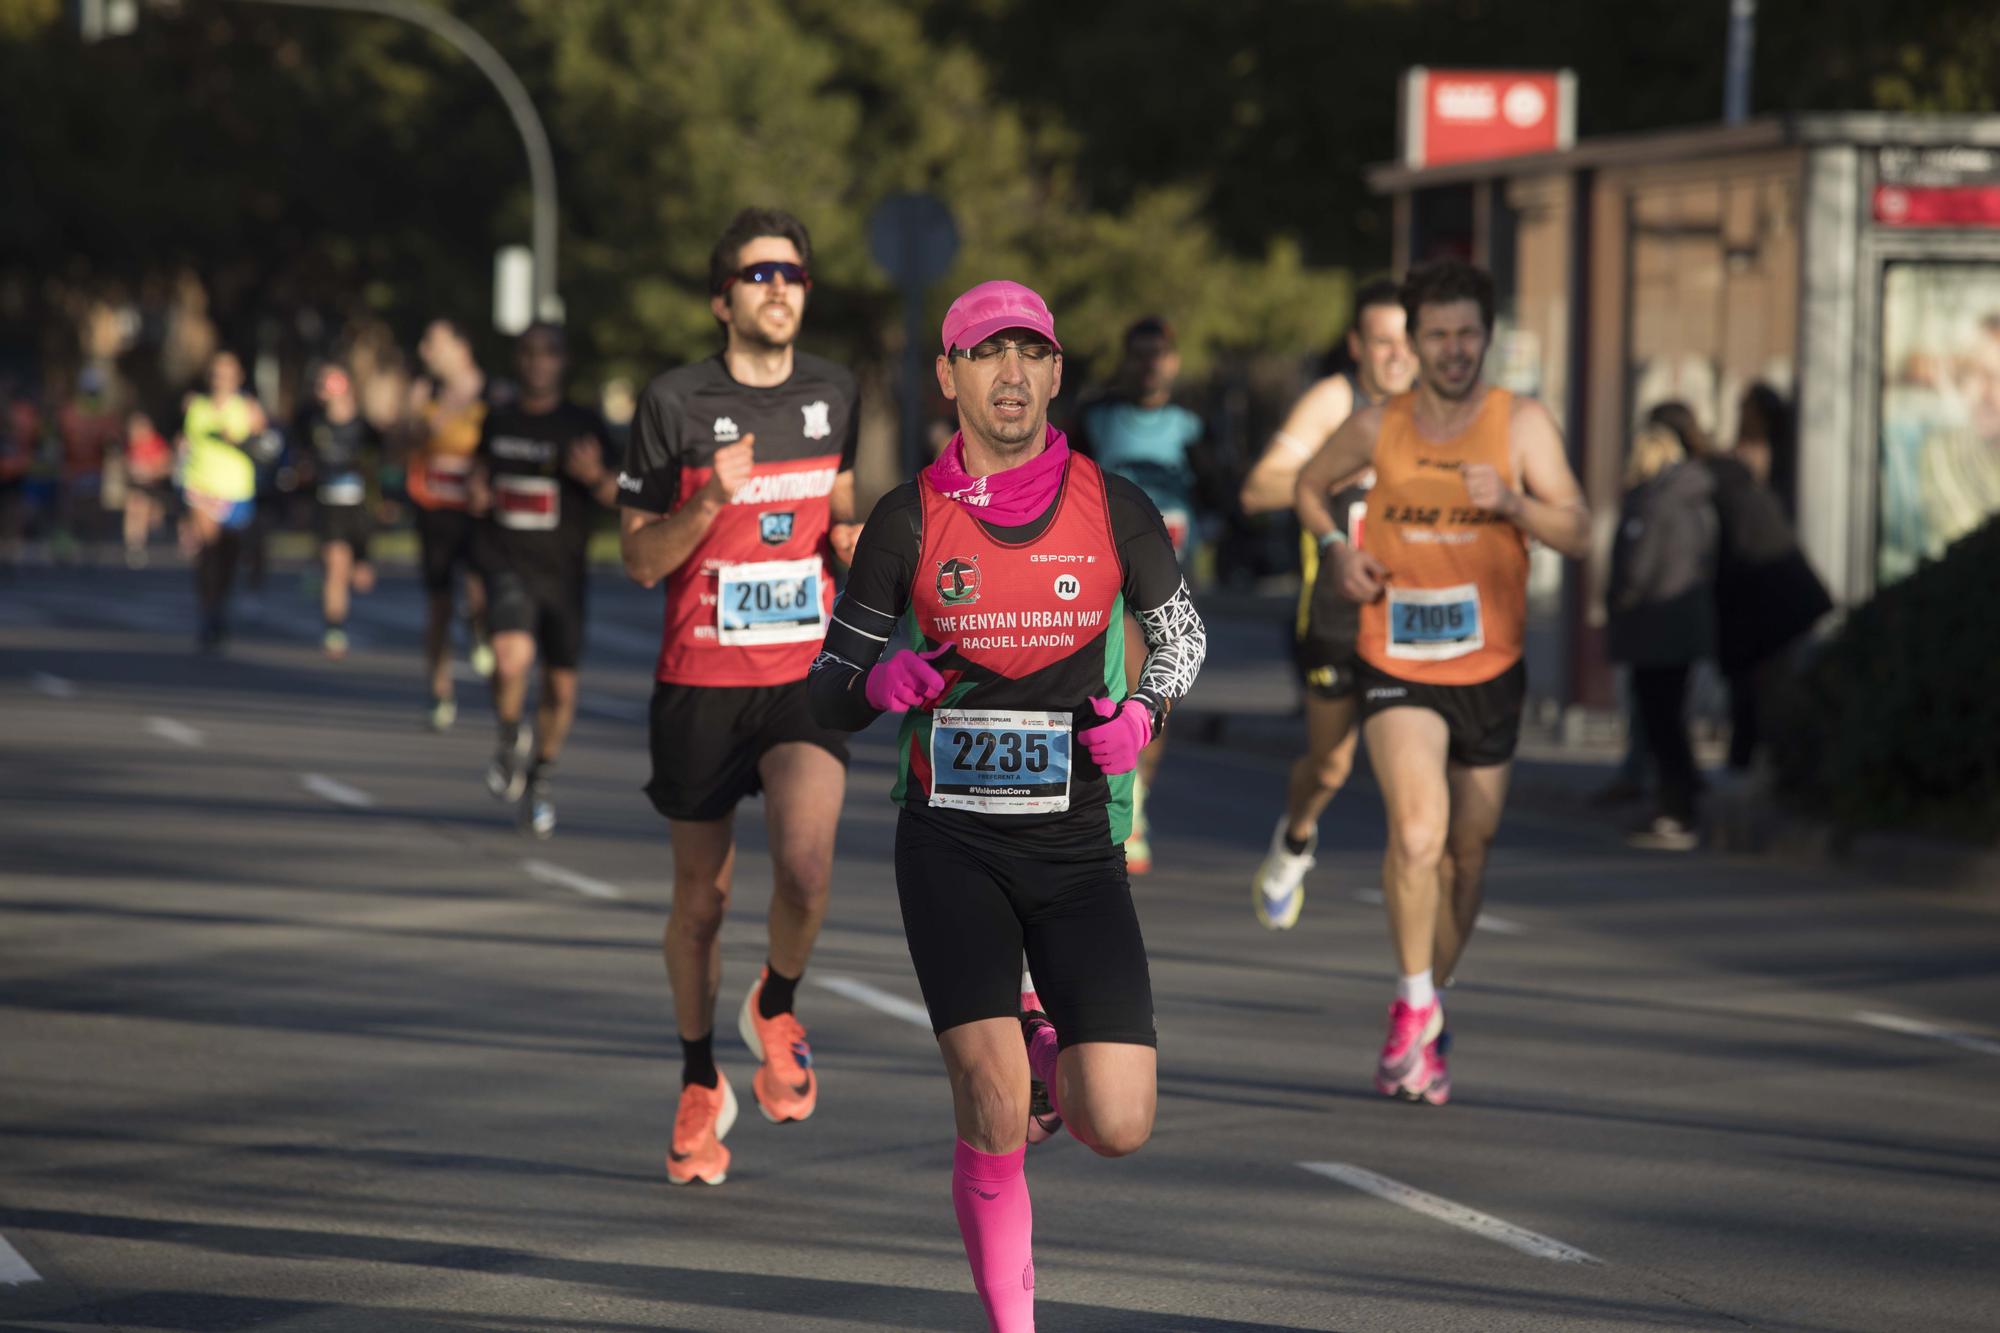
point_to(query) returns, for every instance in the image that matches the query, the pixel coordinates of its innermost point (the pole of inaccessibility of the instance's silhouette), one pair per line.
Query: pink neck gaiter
(1008, 499)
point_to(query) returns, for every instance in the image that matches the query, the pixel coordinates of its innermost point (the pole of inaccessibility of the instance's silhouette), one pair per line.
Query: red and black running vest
(1038, 626)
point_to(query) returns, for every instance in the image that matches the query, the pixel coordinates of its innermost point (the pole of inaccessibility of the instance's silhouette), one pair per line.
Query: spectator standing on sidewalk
(1767, 597)
(1661, 611)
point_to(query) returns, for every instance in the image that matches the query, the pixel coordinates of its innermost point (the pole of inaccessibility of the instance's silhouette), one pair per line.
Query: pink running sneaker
(1411, 1033)
(1043, 1122)
(1430, 1081)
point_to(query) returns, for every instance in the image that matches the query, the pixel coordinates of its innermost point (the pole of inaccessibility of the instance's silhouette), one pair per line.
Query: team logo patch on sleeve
(817, 426)
(958, 580)
(775, 529)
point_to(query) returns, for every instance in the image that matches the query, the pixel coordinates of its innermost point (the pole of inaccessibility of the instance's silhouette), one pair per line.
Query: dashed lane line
(180, 733)
(547, 872)
(53, 686)
(877, 999)
(332, 789)
(1455, 1214)
(1914, 1027)
(14, 1270)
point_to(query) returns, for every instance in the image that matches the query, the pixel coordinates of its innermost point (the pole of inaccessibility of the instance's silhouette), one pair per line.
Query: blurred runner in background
(1136, 431)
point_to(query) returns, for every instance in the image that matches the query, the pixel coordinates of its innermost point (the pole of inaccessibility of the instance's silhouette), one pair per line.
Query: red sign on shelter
(1470, 115)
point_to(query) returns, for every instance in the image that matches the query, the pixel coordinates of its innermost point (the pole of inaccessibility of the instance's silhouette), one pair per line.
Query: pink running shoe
(1430, 1081)
(1411, 1033)
(1043, 1122)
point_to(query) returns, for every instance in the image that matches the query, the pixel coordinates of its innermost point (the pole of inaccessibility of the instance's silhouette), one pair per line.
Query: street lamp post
(534, 138)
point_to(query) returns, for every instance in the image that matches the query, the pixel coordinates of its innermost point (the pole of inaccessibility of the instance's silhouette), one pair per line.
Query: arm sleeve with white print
(1158, 597)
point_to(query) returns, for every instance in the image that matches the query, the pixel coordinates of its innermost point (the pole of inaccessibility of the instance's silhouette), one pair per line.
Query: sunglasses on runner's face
(768, 271)
(994, 348)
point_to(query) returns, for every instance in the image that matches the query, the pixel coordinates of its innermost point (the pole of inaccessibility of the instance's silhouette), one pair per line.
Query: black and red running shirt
(805, 431)
(539, 522)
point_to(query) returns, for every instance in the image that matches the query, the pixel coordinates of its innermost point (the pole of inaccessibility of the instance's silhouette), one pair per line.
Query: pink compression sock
(989, 1192)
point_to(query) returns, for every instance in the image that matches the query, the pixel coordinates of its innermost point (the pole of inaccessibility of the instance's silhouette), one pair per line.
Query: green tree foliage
(1199, 160)
(1271, 111)
(674, 114)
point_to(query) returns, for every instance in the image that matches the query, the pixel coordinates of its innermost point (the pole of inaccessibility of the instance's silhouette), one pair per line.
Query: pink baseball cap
(993, 306)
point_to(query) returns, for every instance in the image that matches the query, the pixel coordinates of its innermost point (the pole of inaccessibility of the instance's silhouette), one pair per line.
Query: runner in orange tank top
(1465, 476)
(441, 433)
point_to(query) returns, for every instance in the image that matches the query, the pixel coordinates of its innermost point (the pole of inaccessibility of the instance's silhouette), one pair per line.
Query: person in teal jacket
(1138, 432)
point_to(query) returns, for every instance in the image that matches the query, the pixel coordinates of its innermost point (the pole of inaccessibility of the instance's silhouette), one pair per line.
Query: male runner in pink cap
(1003, 574)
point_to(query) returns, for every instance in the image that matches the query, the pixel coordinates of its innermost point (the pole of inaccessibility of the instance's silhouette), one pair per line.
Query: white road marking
(14, 1270)
(1917, 1028)
(617, 710)
(880, 1000)
(549, 873)
(53, 686)
(319, 784)
(1456, 1214)
(180, 733)
(1499, 925)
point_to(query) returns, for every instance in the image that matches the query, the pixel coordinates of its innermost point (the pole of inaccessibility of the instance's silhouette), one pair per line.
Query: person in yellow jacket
(219, 485)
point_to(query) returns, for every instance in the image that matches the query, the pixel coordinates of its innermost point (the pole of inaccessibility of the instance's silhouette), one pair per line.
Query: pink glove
(1115, 744)
(905, 680)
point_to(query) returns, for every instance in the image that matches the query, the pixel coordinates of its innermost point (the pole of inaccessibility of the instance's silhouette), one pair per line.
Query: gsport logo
(1068, 586)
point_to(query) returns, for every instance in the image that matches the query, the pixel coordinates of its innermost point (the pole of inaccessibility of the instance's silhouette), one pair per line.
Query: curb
(1747, 822)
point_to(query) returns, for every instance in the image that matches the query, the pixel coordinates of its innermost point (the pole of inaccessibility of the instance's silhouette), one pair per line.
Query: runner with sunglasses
(987, 608)
(738, 490)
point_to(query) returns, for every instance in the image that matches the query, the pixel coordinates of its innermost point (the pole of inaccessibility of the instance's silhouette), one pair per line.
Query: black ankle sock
(510, 735)
(778, 995)
(1296, 846)
(698, 1062)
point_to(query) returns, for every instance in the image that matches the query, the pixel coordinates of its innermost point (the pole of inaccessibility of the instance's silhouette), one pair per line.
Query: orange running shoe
(785, 1087)
(705, 1116)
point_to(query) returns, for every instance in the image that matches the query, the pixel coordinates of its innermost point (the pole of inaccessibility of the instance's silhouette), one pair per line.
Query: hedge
(1895, 723)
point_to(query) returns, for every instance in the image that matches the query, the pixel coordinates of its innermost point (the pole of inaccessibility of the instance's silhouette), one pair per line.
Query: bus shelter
(1850, 261)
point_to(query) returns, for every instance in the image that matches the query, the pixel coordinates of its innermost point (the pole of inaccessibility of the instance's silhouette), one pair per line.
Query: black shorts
(1324, 649)
(346, 523)
(446, 537)
(549, 606)
(1326, 667)
(1484, 719)
(707, 741)
(970, 914)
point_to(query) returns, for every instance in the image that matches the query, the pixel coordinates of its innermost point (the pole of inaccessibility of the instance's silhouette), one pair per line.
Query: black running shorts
(550, 607)
(348, 524)
(1484, 719)
(1327, 668)
(971, 914)
(708, 739)
(446, 538)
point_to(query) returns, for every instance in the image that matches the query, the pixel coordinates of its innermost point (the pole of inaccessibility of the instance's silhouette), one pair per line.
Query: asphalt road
(297, 1032)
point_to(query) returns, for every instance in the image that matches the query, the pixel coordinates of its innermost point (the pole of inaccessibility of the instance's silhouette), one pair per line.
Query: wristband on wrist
(1332, 538)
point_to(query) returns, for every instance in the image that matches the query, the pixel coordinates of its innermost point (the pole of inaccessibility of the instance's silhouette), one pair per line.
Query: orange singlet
(439, 475)
(1456, 607)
